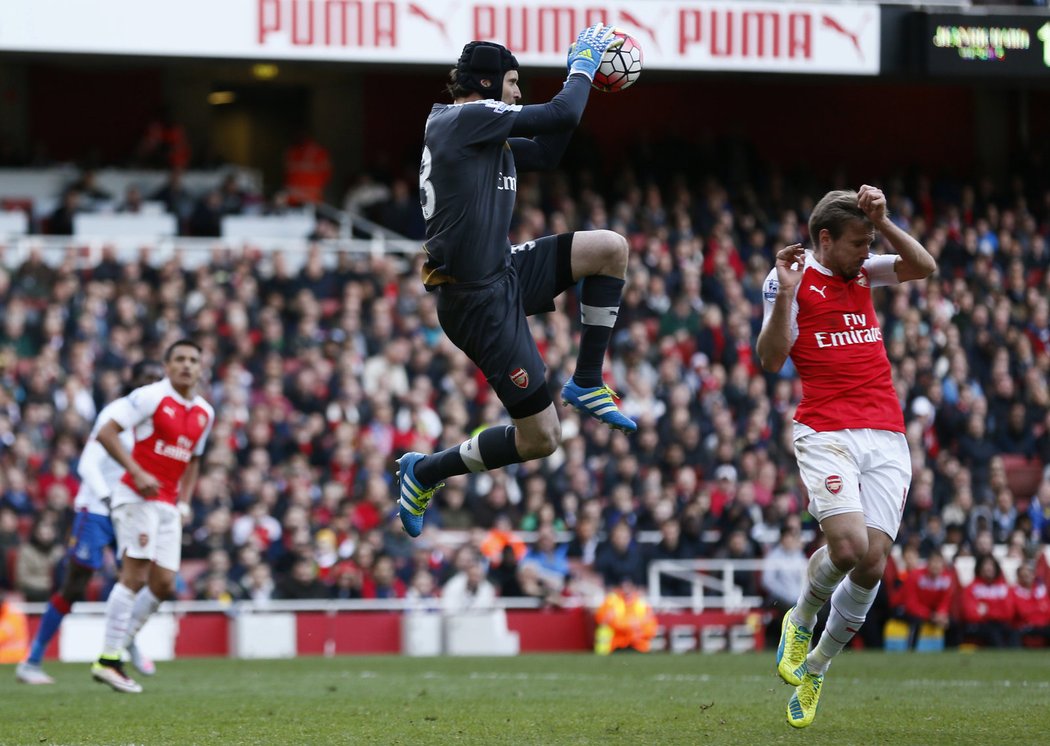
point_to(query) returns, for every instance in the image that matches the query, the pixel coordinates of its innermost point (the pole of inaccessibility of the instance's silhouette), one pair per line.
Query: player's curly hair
(835, 211)
(454, 87)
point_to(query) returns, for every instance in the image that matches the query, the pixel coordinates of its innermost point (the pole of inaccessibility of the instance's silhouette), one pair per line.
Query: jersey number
(427, 198)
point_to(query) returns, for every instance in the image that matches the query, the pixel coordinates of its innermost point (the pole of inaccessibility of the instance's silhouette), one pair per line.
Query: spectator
(928, 593)
(14, 632)
(625, 621)
(37, 559)
(218, 587)
(672, 547)
(307, 170)
(423, 592)
(468, 589)
(782, 576)
(301, 583)
(619, 557)
(164, 144)
(1031, 605)
(549, 557)
(988, 606)
(60, 222)
(739, 547)
(175, 197)
(583, 546)
(258, 585)
(384, 582)
(257, 525)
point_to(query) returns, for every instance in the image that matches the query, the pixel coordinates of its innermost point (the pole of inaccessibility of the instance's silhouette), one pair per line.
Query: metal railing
(713, 584)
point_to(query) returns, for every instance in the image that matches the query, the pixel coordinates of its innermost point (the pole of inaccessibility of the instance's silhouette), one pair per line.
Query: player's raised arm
(774, 341)
(565, 109)
(913, 262)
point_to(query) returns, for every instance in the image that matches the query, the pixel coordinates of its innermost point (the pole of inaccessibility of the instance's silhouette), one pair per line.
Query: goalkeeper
(473, 151)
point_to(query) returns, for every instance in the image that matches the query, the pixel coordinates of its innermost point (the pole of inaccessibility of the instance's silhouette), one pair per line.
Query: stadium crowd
(321, 378)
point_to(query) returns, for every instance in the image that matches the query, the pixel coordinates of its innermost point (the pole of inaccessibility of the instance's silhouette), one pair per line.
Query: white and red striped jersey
(837, 347)
(169, 431)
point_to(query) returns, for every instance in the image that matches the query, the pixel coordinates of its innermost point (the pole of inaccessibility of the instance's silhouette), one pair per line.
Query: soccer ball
(620, 67)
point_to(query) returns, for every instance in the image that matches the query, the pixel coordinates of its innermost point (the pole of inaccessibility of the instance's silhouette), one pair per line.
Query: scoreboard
(986, 45)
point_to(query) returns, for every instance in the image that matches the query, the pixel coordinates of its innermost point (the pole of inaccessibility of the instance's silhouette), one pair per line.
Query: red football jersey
(837, 347)
(1031, 605)
(169, 432)
(925, 594)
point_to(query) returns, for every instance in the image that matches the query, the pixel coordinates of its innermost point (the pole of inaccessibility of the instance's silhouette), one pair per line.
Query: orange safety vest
(14, 634)
(631, 622)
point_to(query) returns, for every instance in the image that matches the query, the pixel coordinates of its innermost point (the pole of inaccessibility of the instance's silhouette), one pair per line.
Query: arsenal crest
(520, 378)
(833, 484)
(862, 280)
(143, 540)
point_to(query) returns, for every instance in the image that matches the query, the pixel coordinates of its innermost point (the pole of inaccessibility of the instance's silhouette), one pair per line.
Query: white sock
(145, 604)
(118, 615)
(849, 609)
(822, 577)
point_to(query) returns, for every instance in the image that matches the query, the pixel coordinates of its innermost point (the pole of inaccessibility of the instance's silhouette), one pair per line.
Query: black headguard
(484, 61)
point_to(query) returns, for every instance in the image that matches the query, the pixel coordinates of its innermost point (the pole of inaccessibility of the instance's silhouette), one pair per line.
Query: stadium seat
(1022, 475)
(930, 639)
(13, 223)
(118, 224)
(895, 635)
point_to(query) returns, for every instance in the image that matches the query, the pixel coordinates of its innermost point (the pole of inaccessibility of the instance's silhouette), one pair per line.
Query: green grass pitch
(868, 698)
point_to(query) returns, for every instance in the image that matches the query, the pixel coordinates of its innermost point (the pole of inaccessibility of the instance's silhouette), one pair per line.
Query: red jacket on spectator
(924, 594)
(988, 602)
(1031, 599)
(1031, 606)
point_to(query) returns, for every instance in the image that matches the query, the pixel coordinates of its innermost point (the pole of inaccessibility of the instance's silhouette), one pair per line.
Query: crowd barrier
(284, 629)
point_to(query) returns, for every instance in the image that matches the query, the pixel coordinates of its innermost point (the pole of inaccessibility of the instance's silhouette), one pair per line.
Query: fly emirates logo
(857, 333)
(182, 450)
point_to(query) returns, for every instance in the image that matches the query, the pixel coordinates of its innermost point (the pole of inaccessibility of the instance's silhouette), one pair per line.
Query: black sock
(492, 448)
(599, 306)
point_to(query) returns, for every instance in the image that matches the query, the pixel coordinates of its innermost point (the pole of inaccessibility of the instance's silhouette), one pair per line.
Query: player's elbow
(770, 360)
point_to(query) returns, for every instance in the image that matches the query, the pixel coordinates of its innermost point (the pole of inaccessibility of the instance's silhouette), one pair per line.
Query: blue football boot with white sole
(414, 497)
(598, 402)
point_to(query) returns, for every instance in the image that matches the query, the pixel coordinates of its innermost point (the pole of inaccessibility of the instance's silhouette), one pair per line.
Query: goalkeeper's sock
(492, 448)
(599, 307)
(822, 577)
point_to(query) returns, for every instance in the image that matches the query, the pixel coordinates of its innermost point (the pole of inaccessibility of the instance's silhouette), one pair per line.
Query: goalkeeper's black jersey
(467, 185)
(468, 177)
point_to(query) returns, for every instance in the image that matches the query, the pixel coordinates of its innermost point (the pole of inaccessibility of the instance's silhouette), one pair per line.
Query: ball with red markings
(621, 66)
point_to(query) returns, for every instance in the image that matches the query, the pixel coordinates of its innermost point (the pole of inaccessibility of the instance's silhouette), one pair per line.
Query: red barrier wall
(372, 632)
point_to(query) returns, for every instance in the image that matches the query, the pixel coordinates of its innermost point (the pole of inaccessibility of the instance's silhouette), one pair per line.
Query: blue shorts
(91, 534)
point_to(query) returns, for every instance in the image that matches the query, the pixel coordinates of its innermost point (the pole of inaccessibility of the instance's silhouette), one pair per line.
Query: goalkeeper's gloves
(586, 52)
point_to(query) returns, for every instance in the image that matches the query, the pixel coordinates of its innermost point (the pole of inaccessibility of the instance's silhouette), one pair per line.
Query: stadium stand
(327, 363)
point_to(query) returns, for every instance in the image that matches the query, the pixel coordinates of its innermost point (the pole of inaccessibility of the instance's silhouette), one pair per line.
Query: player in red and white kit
(171, 426)
(849, 428)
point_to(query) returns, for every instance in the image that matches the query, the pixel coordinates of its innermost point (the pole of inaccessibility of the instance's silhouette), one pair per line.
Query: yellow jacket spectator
(625, 621)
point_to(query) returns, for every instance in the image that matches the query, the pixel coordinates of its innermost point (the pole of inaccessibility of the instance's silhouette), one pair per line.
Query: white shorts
(149, 530)
(855, 471)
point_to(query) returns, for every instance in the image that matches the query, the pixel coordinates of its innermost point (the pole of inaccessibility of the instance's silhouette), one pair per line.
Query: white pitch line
(704, 678)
